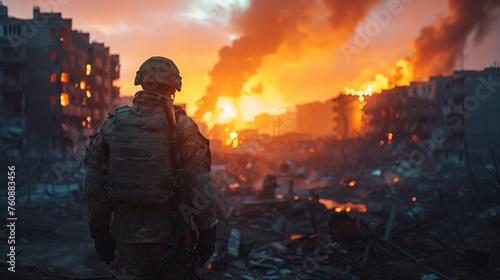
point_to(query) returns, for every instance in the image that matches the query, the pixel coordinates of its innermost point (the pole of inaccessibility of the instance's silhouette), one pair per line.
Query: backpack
(140, 169)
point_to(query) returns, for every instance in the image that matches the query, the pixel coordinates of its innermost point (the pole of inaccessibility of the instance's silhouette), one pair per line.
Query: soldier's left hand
(206, 245)
(103, 242)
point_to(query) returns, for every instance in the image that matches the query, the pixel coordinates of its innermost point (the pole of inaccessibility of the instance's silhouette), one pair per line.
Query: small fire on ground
(342, 207)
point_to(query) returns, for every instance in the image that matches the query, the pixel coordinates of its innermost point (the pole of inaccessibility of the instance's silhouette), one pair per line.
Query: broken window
(12, 102)
(53, 77)
(52, 32)
(53, 143)
(11, 76)
(52, 55)
(52, 99)
(64, 56)
(64, 77)
(459, 99)
(64, 99)
(9, 52)
(64, 34)
(12, 30)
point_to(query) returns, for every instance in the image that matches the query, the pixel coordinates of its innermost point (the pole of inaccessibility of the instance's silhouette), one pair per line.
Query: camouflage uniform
(142, 231)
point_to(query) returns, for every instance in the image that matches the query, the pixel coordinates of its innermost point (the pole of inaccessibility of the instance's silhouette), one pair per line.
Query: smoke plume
(440, 46)
(268, 25)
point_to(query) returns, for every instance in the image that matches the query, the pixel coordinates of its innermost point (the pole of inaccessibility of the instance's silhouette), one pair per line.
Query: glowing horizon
(193, 32)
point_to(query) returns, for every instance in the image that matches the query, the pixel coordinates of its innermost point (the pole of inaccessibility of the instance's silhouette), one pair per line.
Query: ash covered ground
(335, 215)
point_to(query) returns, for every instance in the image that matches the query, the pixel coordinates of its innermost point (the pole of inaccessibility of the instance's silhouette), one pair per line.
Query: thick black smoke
(440, 46)
(267, 25)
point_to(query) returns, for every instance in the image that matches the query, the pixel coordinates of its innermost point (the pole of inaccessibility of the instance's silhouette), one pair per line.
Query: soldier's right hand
(103, 242)
(104, 246)
(206, 245)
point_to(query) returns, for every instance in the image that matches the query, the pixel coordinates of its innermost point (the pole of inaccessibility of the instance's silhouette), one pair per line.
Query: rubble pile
(362, 225)
(324, 222)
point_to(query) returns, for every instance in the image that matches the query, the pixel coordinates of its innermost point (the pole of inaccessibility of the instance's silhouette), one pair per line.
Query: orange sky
(192, 33)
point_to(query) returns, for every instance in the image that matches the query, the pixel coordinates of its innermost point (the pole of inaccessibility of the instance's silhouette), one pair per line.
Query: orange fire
(295, 236)
(232, 140)
(400, 75)
(339, 207)
(279, 196)
(238, 110)
(237, 113)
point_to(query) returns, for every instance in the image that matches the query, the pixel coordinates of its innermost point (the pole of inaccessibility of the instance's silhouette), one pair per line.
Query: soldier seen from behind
(133, 189)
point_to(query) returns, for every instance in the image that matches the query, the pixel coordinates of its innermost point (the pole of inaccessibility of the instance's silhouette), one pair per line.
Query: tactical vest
(140, 169)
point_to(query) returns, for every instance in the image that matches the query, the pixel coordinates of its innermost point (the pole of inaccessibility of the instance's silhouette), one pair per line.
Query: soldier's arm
(196, 157)
(96, 158)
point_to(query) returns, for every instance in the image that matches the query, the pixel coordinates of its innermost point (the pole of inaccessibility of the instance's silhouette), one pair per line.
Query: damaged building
(341, 207)
(57, 87)
(454, 115)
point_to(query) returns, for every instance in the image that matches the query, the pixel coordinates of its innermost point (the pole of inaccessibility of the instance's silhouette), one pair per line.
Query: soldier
(129, 184)
(269, 186)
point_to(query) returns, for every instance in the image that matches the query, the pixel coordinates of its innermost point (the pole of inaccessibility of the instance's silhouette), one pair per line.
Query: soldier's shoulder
(108, 122)
(122, 109)
(185, 120)
(179, 111)
(118, 111)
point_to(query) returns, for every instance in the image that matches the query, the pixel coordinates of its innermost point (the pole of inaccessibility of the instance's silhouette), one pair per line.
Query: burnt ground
(450, 231)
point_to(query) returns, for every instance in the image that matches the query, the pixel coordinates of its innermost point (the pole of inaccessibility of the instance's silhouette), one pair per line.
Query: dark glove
(206, 245)
(103, 242)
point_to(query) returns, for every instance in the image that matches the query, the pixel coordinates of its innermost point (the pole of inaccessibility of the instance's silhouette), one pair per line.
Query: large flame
(238, 111)
(401, 75)
(233, 140)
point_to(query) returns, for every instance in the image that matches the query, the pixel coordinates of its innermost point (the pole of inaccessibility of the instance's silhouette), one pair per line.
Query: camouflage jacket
(141, 223)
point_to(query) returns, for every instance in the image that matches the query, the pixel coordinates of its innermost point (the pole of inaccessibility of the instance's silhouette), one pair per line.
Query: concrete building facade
(57, 87)
(455, 116)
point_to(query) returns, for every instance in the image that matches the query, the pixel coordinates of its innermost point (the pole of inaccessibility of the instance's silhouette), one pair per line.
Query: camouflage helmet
(159, 70)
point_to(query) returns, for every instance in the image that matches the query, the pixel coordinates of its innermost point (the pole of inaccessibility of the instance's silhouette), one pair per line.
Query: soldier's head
(159, 74)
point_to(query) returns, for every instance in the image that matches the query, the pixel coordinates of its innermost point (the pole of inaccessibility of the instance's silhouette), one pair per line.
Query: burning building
(57, 87)
(307, 118)
(448, 117)
(348, 117)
